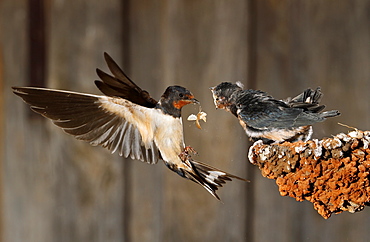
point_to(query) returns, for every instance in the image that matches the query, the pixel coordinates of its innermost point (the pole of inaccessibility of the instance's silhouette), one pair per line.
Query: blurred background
(55, 188)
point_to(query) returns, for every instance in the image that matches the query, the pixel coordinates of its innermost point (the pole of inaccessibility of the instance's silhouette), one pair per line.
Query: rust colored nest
(332, 173)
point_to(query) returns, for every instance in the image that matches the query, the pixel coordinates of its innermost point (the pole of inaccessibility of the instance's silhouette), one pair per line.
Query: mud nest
(331, 173)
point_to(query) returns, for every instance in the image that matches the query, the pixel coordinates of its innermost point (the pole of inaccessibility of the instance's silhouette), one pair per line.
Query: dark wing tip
(20, 90)
(107, 56)
(111, 63)
(113, 66)
(119, 84)
(101, 74)
(117, 71)
(16, 89)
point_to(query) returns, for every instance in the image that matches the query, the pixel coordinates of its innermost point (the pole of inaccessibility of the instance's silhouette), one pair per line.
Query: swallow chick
(127, 120)
(270, 120)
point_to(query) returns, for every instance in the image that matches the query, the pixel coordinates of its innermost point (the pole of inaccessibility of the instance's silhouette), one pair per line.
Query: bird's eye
(181, 95)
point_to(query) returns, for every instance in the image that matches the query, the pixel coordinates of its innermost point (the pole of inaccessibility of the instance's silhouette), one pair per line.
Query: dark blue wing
(260, 111)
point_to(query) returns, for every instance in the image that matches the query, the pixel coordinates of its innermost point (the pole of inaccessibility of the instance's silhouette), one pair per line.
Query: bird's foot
(186, 154)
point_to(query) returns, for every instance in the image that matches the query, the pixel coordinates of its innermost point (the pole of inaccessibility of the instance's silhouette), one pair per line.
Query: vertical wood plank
(2, 124)
(197, 45)
(206, 44)
(57, 188)
(147, 192)
(307, 44)
(36, 42)
(90, 185)
(13, 48)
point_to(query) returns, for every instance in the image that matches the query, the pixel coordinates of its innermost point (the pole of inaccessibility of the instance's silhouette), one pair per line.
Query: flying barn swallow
(270, 120)
(126, 119)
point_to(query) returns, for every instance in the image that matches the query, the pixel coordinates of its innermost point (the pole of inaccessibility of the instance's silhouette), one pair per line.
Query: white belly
(169, 138)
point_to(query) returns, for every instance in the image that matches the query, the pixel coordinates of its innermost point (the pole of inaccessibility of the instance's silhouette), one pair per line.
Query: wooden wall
(54, 188)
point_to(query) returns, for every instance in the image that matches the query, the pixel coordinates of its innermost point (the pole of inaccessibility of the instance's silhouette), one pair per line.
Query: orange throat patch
(181, 103)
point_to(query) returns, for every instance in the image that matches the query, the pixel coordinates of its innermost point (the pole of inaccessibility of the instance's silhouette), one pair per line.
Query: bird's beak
(192, 99)
(195, 101)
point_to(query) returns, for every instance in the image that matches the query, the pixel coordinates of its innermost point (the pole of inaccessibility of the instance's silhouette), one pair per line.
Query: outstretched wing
(120, 85)
(113, 123)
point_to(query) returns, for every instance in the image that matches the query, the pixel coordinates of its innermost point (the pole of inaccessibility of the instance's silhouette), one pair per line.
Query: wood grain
(56, 188)
(308, 44)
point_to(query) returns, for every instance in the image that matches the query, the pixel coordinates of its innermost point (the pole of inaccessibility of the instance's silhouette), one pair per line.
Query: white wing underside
(114, 123)
(131, 130)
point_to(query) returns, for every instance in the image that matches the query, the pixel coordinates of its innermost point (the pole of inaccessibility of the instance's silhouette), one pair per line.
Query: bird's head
(179, 96)
(176, 97)
(222, 94)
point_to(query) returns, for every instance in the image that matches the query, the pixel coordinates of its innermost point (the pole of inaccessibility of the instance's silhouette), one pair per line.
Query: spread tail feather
(309, 96)
(308, 100)
(209, 177)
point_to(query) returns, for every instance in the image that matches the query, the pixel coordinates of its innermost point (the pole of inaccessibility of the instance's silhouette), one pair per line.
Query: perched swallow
(270, 120)
(126, 119)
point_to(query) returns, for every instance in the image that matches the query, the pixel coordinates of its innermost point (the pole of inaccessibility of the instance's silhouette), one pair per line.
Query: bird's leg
(189, 149)
(186, 153)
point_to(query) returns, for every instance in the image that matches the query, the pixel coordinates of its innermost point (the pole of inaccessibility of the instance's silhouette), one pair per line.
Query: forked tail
(209, 177)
